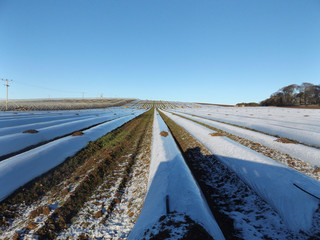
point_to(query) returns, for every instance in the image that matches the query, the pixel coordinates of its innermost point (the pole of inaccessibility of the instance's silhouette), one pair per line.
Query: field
(62, 104)
(159, 170)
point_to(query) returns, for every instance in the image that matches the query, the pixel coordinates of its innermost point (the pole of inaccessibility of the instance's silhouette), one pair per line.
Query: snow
(18, 141)
(170, 176)
(20, 169)
(302, 152)
(299, 124)
(20, 128)
(37, 117)
(271, 180)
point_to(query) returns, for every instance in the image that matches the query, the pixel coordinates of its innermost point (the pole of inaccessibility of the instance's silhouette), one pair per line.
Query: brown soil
(78, 133)
(221, 105)
(303, 106)
(216, 134)
(193, 231)
(285, 140)
(41, 210)
(30, 131)
(164, 134)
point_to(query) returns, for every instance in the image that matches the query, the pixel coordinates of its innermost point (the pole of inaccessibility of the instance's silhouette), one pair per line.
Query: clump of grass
(284, 140)
(78, 133)
(30, 131)
(164, 134)
(316, 169)
(216, 134)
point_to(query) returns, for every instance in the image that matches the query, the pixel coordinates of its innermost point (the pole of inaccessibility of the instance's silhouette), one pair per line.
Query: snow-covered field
(274, 182)
(303, 152)
(19, 169)
(302, 125)
(283, 176)
(172, 187)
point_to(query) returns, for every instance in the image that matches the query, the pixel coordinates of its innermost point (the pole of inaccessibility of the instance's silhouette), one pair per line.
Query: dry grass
(164, 134)
(30, 131)
(284, 140)
(216, 134)
(317, 170)
(78, 133)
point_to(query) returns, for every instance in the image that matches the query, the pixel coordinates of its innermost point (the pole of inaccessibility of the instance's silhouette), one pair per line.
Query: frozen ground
(274, 182)
(302, 152)
(174, 202)
(172, 187)
(18, 170)
(302, 125)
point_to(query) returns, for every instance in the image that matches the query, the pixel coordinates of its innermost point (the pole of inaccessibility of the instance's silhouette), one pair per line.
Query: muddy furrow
(238, 210)
(47, 204)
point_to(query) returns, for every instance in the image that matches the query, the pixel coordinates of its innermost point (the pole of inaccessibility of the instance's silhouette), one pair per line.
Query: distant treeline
(292, 95)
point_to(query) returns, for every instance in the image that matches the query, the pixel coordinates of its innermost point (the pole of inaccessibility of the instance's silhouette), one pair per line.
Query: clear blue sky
(215, 51)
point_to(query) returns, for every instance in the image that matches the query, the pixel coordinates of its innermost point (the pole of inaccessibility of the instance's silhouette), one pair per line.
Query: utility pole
(7, 85)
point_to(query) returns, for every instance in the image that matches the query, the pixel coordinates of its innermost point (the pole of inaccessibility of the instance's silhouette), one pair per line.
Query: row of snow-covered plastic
(302, 125)
(293, 195)
(21, 168)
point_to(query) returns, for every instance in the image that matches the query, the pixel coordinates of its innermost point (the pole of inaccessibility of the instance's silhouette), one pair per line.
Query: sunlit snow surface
(299, 124)
(170, 176)
(302, 152)
(274, 182)
(19, 169)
